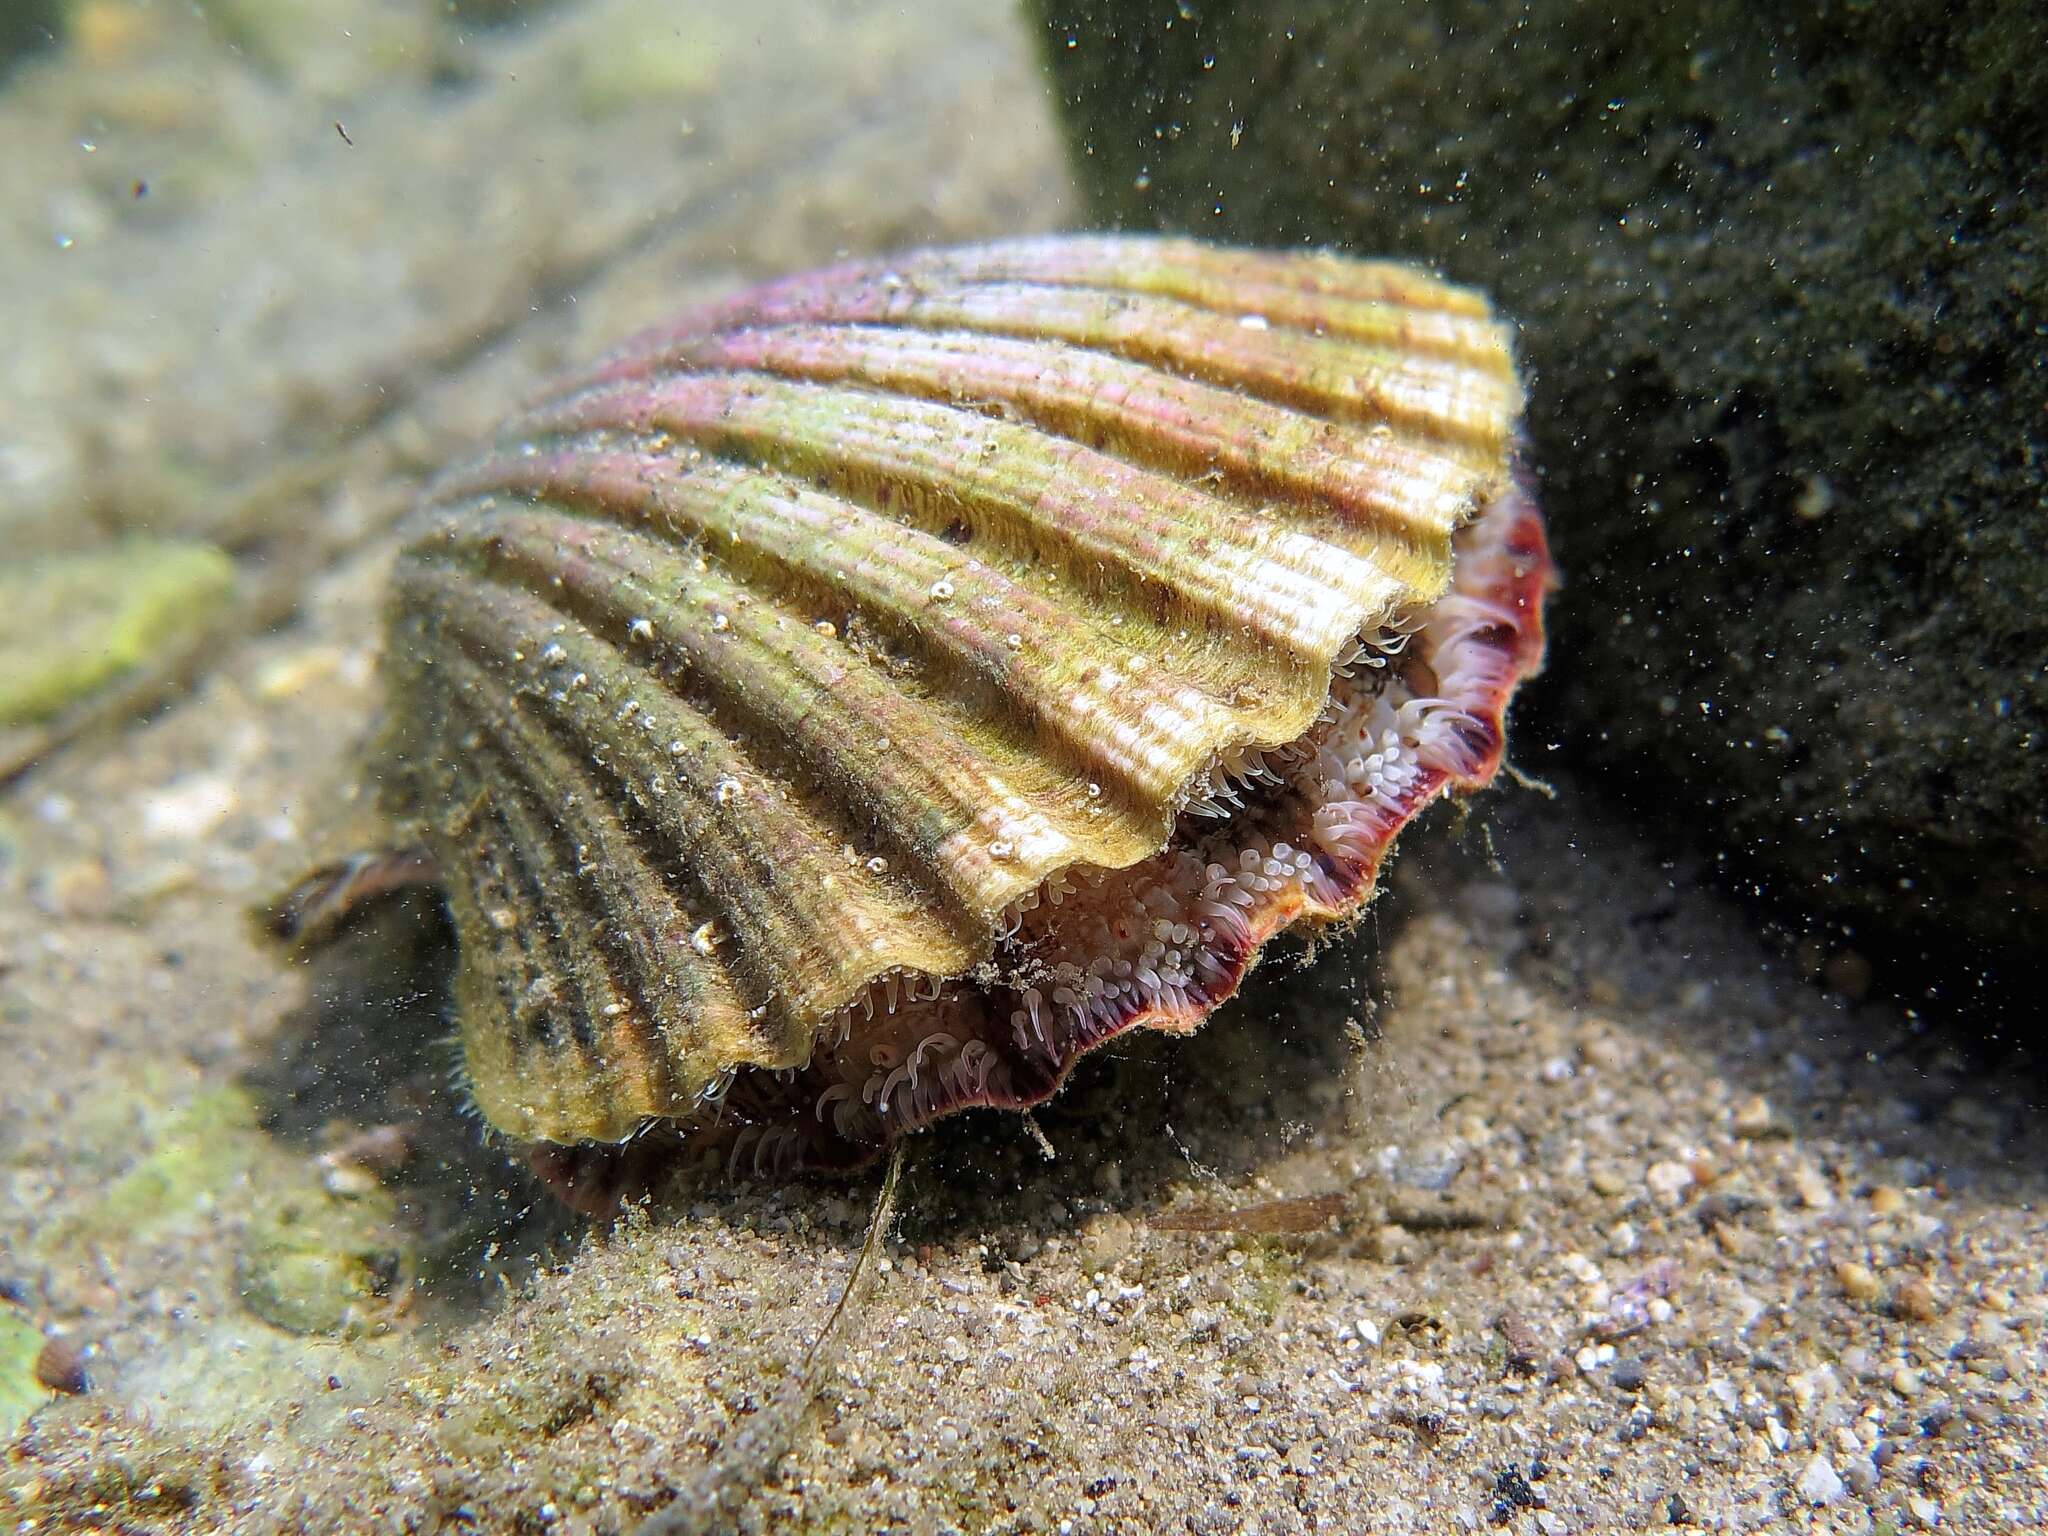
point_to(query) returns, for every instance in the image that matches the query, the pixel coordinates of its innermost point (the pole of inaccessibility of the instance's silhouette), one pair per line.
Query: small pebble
(1602, 1050)
(1815, 1193)
(1820, 1484)
(1669, 1181)
(1753, 1118)
(189, 808)
(1861, 1475)
(1915, 1301)
(1886, 1201)
(60, 1366)
(1856, 1280)
(1592, 1357)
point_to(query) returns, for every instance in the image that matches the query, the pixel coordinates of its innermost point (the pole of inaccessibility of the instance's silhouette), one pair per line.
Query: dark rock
(60, 1366)
(1781, 282)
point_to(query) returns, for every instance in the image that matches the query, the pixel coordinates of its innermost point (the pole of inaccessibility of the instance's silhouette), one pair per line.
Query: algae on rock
(20, 1393)
(71, 623)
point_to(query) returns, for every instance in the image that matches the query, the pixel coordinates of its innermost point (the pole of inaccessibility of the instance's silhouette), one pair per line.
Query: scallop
(861, 697)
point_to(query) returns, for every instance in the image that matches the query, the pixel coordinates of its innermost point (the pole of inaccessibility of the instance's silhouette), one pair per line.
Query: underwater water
(1661, 1146)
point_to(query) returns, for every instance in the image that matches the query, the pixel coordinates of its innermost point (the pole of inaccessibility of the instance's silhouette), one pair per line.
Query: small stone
(1600, 1049)
(1432, 1165)
(1820, 1484)
(1593, 1357)
(1753, 1118)
(1924, 1509)
(60, 1366)
(955, 1349)
(1856, 1280)
(350, 1181)
(1669, 1181)
(1915, 1301)
(1105, 1241)
(1815, 1193)
(1393, 1243)
(1886, 1201)
(1861, 1475)
(1605, 1181)
(1733, 1240)
(1906, 1381)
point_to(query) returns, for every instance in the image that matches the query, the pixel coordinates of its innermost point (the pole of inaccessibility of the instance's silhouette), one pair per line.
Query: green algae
(20, 1393)
(315, 1262)
(70, 624)
(202, 1153)
(667, 63)
(310, 1259)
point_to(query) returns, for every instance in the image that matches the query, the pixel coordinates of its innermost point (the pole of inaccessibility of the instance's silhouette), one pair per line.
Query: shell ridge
(679, 1005)
(1232, 738)
(963, 910)
(890, 587)
(1206, 552)
(1167, 263)
(727, 862)
(1107, 402)
(1111, 263)
(1161, 835)
(541, 1007)
(1321, 374)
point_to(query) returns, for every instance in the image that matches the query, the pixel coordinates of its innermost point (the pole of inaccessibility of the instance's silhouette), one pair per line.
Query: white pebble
(188, 808)
(1669, 1181)
(1820, 1483)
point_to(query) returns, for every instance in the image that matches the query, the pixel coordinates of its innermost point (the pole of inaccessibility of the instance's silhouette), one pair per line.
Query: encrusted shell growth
(861, 697)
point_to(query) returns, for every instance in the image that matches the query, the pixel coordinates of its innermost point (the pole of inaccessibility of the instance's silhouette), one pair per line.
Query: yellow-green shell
(800, 639)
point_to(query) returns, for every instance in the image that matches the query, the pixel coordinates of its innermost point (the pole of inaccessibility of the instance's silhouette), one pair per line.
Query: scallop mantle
(783, 679)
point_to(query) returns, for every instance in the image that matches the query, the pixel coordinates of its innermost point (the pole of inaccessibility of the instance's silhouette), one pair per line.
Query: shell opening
(1275, 836)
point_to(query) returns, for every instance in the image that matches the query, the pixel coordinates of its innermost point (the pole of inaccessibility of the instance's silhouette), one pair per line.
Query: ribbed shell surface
(799, 639)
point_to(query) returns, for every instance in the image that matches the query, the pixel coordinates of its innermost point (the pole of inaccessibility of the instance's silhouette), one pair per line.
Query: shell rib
(790, 665)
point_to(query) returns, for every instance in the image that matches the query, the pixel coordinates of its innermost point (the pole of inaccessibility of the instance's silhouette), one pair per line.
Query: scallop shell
(863, 696)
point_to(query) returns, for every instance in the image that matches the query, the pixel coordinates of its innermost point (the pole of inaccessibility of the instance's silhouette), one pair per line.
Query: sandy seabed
(1620, 1223)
